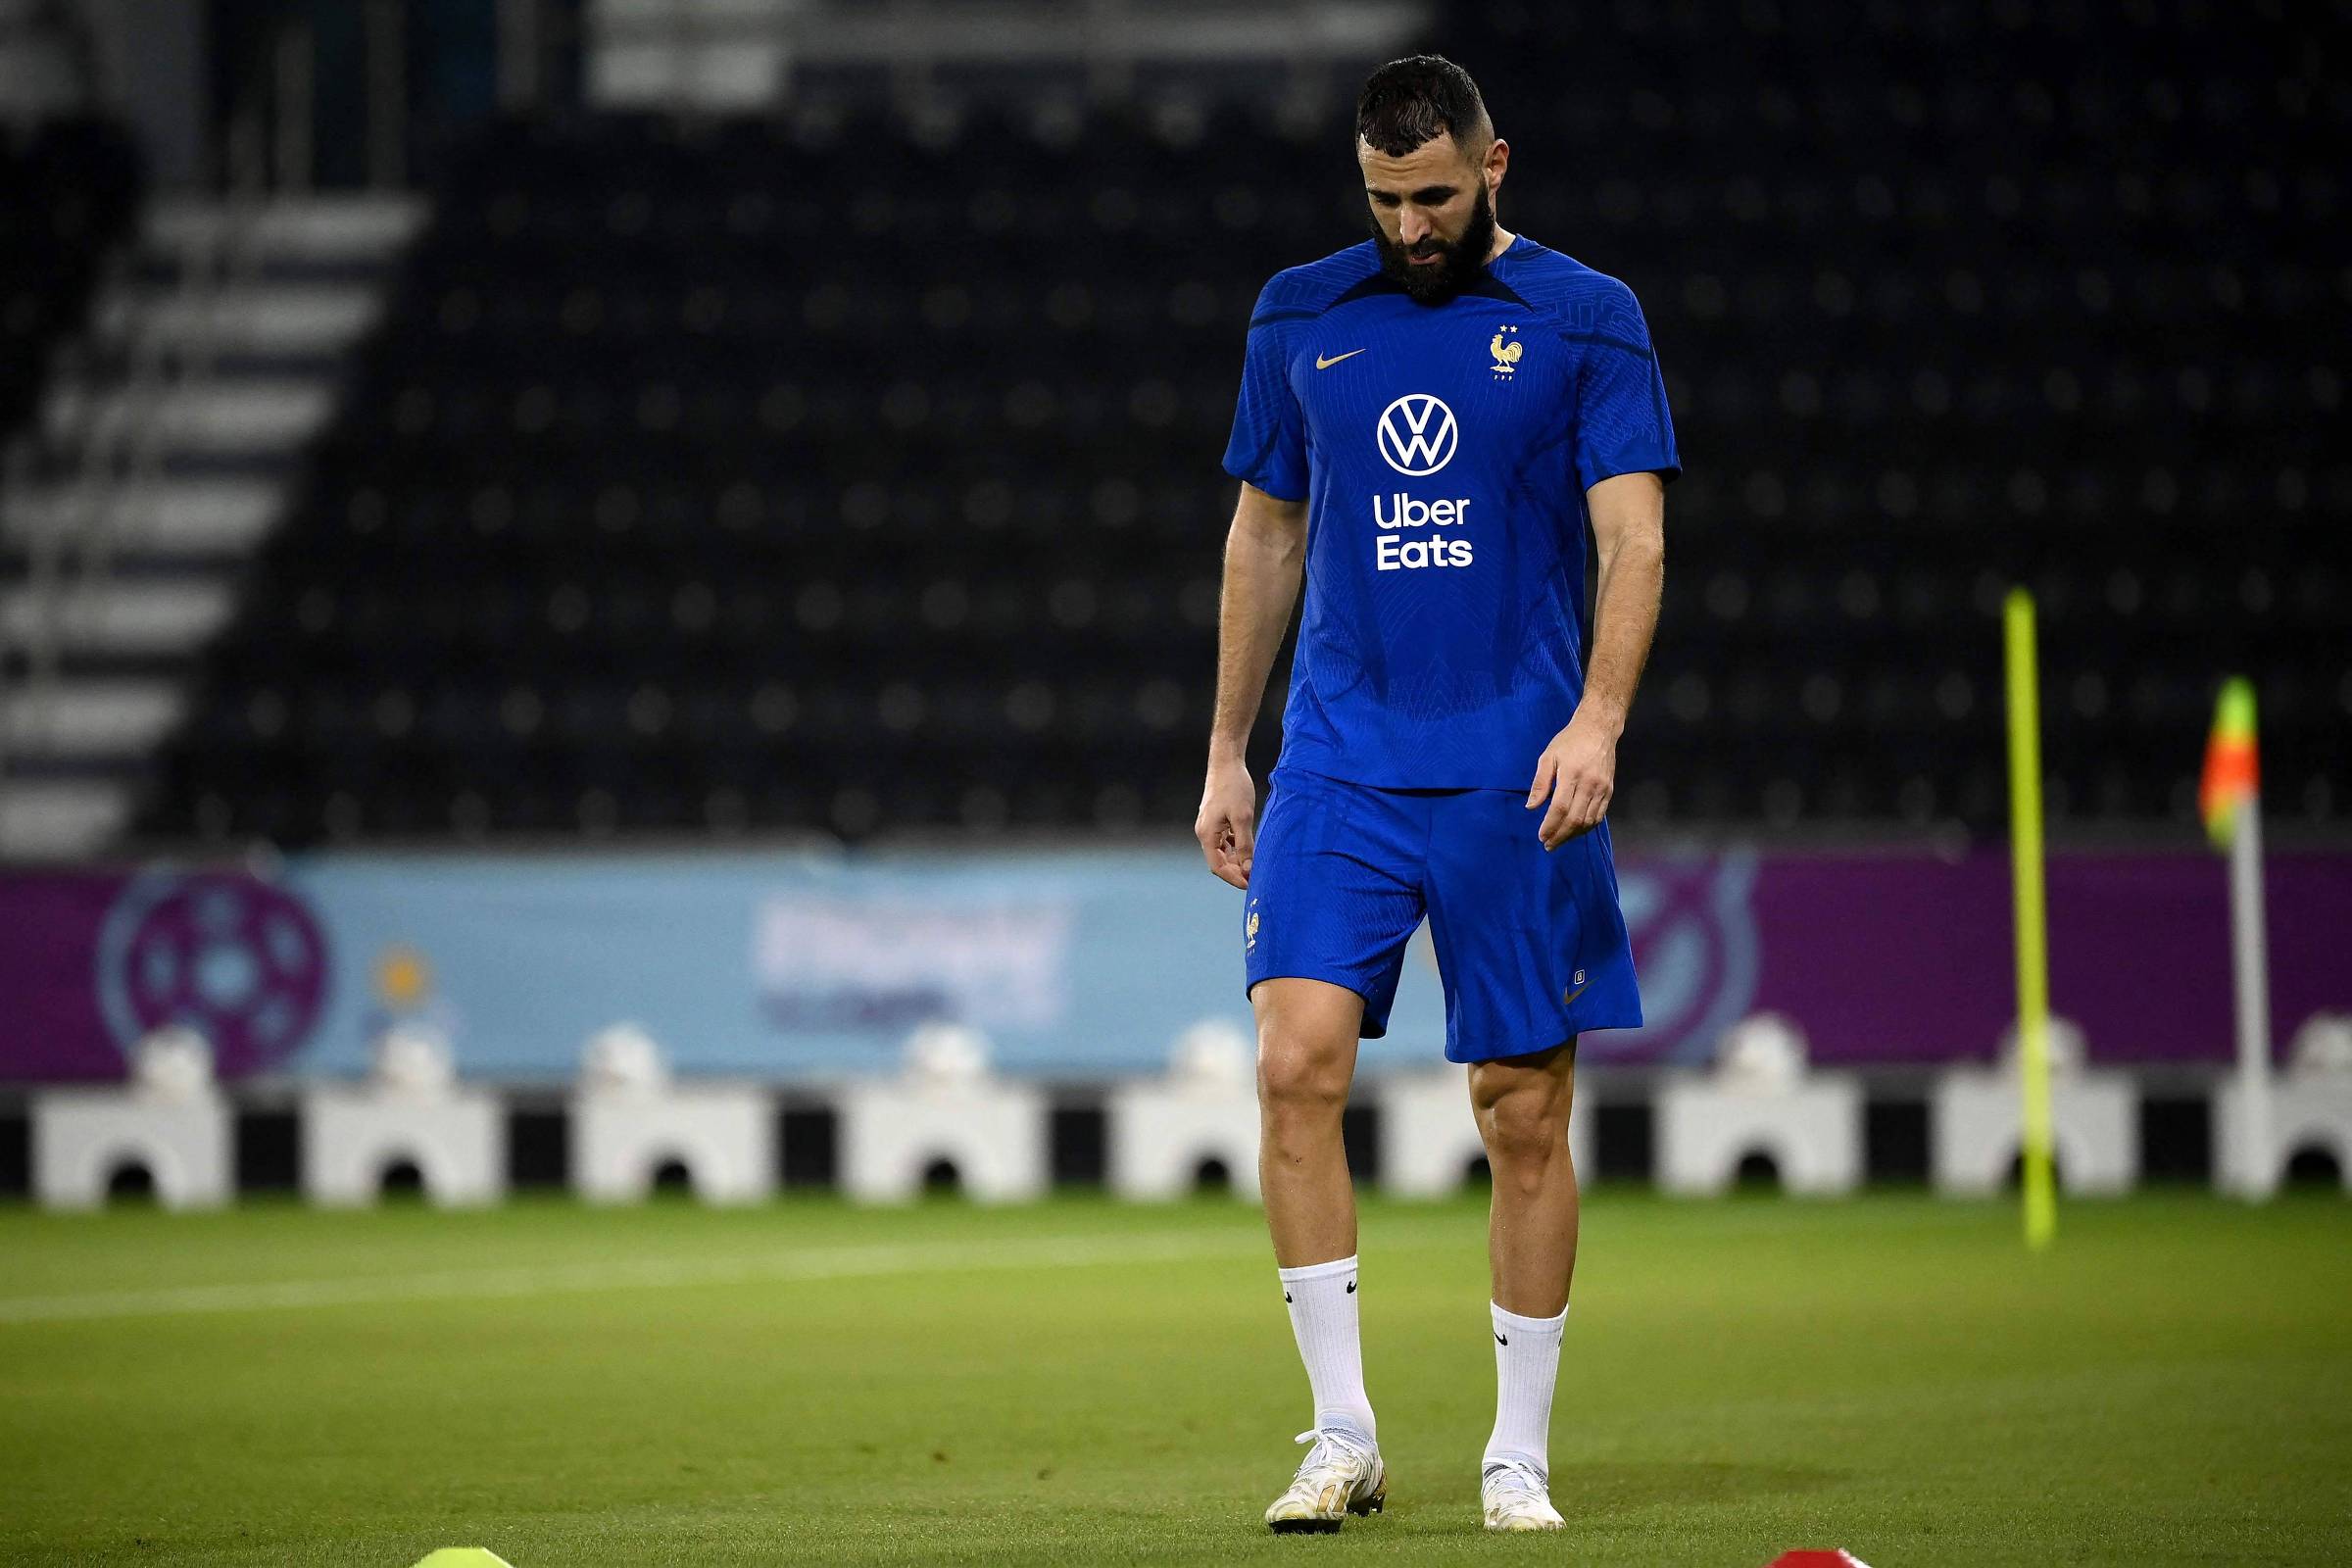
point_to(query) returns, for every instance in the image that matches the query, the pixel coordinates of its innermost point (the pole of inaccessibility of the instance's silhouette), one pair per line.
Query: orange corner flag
(2231, 774)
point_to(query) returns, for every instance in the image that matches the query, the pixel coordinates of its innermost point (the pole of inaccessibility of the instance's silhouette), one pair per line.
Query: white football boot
(1517, 1498)
(1341, 1475)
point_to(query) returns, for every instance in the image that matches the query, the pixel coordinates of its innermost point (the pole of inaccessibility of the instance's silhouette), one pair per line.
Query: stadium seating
(68, 191)
(855, 469)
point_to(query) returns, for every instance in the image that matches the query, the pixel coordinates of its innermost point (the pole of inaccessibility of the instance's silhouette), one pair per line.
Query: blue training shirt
(1443, 452)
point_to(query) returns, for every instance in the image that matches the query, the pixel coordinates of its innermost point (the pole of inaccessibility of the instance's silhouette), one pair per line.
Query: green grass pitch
(1080, 1382)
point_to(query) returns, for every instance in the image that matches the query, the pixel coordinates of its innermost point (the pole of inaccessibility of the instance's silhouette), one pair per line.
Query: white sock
(1322, 1302)
(1527, 1362)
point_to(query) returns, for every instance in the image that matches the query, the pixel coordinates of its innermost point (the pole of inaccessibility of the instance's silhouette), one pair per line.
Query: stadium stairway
(163, 450)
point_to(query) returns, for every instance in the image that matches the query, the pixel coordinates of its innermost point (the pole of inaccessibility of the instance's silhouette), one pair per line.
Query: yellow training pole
(2033, 950)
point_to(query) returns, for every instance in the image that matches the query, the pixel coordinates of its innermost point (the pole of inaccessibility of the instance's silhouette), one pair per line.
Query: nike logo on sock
(1499, 1340)
(1351, 1286)
(1286, 1296)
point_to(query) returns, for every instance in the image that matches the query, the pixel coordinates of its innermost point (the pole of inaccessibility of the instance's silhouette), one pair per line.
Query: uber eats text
(1398, 512)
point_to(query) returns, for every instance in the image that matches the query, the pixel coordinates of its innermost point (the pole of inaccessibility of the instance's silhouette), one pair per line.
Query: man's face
(1432, 217)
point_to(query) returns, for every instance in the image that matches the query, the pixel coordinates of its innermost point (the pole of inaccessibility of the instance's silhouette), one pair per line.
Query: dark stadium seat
(69, 192)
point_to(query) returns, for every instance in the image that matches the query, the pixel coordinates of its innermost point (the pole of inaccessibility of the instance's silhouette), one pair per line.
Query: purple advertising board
(1083, 962)
(1911, 959)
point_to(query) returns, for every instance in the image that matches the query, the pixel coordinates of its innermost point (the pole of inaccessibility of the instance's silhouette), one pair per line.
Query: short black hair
(1407, 102)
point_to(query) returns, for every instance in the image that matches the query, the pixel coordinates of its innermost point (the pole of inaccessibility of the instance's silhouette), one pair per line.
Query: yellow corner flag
(2230, 796)
(2231, 772)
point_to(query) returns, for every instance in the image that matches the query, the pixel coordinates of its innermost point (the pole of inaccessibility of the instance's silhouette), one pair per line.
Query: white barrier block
(2307, 1111)
(1976, 1126)
(724, 1136)
(891, 1130)
(351, 1136)
(1161, 1131)
(1810, 1128)
(1429, 1136)
(83, 1137)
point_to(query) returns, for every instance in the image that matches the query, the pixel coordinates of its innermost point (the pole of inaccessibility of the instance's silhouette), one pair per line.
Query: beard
(1434, 283)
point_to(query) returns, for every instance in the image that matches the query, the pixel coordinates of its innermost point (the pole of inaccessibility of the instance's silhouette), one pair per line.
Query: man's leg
(1306, 1034)
(1306, 1031)
(1522, 1108)
(1335, 894)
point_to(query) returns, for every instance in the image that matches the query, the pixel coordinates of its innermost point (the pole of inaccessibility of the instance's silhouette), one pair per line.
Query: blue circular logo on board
(1695, 937)
(241, 961)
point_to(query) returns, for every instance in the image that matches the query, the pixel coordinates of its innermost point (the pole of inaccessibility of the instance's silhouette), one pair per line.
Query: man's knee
(1521, 1130)
(1300, 1074)
(1523, 1123)
(1306, 1050)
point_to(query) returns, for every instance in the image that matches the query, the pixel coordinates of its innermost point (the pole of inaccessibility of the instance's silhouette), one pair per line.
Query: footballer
(1430, 426)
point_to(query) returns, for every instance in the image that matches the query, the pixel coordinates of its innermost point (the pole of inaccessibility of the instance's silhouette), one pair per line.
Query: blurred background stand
(1162, 1135)
(410, 1121)
(444, 437)
(944, 1122)
(166, 1133)
(2094, 1121)
(632, 1125)
(2310, 1116)
(1760, 1102)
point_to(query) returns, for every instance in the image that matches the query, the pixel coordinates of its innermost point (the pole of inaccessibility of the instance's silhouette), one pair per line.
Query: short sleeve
(1268, 448)
(1622, 424)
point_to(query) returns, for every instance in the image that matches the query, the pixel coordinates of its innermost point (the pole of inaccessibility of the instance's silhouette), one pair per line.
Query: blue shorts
(1531, 946)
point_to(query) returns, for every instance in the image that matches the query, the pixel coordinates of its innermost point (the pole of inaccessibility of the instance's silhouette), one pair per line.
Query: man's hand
(1578, 774)
(1264, 560)
(1227, 826)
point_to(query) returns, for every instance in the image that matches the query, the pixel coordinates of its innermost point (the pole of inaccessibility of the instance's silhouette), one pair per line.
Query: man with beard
(1429, 423)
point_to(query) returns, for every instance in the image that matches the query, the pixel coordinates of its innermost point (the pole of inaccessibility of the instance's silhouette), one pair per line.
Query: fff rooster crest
(1508, 351)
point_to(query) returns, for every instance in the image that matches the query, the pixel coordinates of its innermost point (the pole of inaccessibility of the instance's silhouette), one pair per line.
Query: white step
(57, 821)
(314, 319)
(225, 416)
(196, 515)
(319, 228)
(124, 617)
(90, 718)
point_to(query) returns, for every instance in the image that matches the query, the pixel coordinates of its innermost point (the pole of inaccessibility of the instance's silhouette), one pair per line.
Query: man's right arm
(1264, 556)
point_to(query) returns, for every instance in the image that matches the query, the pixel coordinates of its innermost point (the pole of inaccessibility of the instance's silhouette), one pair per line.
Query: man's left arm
(1578, 771)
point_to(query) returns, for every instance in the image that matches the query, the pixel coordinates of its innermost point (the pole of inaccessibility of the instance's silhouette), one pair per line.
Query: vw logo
(1417, 435)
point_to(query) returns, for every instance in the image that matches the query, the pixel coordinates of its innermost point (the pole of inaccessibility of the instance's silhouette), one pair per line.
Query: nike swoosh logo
(1573, 995)
(1322, 363)
(1499, 1340)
